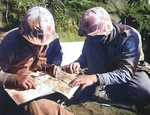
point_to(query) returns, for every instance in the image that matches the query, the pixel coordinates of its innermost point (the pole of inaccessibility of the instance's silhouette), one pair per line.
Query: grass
(68, 36)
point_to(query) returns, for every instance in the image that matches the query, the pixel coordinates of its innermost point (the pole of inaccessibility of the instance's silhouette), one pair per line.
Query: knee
(143, 82)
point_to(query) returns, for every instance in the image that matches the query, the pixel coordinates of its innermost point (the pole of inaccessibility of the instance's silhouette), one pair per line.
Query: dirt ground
(95, 108)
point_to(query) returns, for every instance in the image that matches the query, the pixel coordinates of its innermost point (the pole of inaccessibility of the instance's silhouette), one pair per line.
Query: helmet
(38, 26)
(95, 21)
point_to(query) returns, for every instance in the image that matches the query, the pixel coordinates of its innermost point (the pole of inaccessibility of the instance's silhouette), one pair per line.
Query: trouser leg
(136, 91)
(8, 106)
(46, 107)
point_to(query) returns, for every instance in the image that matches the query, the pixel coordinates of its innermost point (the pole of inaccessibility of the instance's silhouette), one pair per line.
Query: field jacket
(112, 58)
(16, 54)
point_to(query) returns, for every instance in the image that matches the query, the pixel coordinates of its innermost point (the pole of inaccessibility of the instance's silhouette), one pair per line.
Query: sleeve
(6, 53)
(7, 80)
(6, 57)
(3, 77)
(54, 53)
(127, 64)
(82, 58)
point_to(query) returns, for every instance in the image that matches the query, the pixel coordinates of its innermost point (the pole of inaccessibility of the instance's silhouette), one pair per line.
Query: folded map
(45, 85)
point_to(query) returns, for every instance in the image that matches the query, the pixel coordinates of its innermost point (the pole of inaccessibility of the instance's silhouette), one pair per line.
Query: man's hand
(26, 82)
(73, 68)
(84, 80)
(52, 70)
(56, 71)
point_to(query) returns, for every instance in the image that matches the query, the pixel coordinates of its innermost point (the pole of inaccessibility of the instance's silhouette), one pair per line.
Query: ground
(95, 108)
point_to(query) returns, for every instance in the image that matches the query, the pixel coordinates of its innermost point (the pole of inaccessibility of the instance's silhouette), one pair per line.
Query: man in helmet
(111, 53)
(26, 49)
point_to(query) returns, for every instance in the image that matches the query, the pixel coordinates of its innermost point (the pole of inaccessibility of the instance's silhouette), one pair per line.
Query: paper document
(45, 84)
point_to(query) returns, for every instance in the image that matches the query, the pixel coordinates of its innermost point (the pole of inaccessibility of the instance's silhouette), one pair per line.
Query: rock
(71, 51)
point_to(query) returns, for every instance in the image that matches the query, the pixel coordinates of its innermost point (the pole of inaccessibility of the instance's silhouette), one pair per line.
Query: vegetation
(137, 15)
(67, 13)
